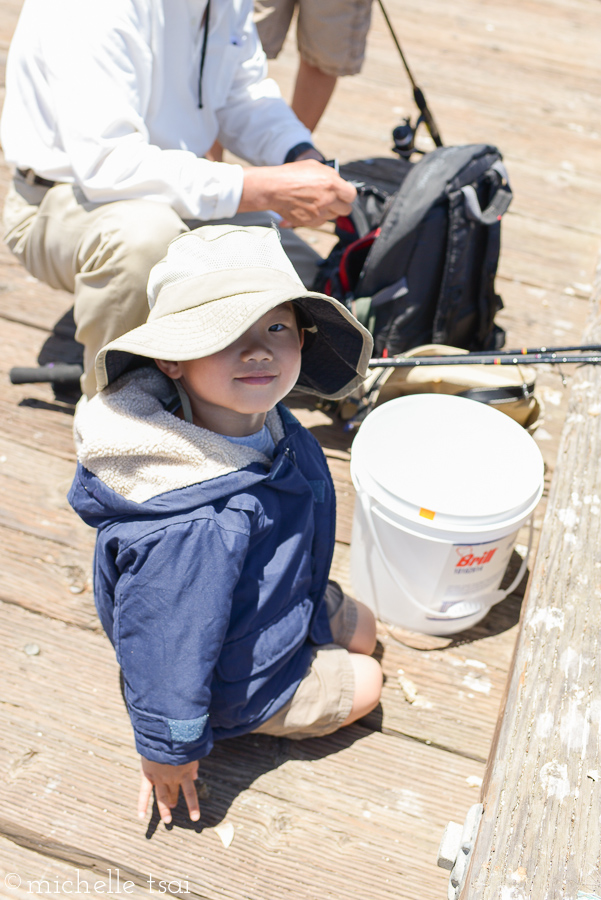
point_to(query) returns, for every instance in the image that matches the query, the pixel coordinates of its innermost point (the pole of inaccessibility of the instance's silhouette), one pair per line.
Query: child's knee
(373, 677)
(368, 685)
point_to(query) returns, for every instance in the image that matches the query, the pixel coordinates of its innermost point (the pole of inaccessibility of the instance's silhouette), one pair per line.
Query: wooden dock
(539, 832)
(358, 815)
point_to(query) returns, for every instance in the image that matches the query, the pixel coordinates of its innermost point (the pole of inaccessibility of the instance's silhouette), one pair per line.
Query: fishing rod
(418, 94)
(482, 359)
(594, 348)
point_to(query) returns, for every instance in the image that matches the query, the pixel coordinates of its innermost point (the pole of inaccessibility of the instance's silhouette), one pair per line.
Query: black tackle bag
(417, 257)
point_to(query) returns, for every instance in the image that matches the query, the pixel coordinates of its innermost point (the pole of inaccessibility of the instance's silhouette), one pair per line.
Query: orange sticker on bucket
(427, 513)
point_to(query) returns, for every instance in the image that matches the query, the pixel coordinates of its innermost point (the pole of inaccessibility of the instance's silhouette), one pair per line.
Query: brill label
(472, 569)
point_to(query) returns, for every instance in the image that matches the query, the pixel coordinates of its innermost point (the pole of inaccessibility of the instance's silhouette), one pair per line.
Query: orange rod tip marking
(427, 513)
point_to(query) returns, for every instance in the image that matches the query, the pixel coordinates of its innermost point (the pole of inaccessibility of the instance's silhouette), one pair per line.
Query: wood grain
(540, 835)
(69, 773)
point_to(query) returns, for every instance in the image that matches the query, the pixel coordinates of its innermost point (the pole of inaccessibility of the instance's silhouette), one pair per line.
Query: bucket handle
(462, 608)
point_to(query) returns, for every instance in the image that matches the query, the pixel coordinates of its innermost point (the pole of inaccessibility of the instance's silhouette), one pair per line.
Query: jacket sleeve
(172, 610)
(255, 121)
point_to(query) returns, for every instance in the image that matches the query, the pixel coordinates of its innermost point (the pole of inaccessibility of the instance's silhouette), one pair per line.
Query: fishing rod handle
(61, 373)
(427, 116)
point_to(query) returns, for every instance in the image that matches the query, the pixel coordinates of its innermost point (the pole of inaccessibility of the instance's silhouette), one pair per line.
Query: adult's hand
(303, 193)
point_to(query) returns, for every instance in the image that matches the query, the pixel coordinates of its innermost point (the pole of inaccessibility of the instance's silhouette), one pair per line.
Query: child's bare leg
(368, 674)
(364, 637)
(368, 686)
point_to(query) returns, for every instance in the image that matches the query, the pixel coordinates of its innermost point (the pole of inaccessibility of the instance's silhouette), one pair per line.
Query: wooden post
(540, 834)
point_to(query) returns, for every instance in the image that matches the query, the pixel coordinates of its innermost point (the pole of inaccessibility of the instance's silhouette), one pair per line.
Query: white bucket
(443, 486)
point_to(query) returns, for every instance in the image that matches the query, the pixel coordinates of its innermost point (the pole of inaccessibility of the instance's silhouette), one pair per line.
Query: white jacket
(105, 95)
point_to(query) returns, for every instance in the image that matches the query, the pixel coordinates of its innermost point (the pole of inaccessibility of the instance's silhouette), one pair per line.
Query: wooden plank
(540, 833)
(33, 418)
(446, 698)
(24, 299)
(38, 506)
(49, 578)
(71, 784)
(526, 256)
(534, 315)
(24, 872)
(556, 195)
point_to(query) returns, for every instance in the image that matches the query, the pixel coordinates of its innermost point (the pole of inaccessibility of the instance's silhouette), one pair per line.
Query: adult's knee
(135, 235)
(116, 254)
(115, 258)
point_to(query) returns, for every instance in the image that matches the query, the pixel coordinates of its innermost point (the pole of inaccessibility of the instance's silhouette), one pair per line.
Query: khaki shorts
(330, 34)
(324, 698)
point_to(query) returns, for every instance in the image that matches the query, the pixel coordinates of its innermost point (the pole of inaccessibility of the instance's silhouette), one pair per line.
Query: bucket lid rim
(414, 475)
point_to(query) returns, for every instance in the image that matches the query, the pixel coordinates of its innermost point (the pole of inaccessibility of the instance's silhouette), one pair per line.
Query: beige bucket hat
(213, 284)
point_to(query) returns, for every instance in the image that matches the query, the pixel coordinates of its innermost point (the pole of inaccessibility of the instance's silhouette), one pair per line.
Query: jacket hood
(127, 439)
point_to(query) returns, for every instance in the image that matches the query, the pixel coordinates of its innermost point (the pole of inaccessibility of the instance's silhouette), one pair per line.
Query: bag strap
(362, 244)
(499, 395)
(499, 202)
(464, 213)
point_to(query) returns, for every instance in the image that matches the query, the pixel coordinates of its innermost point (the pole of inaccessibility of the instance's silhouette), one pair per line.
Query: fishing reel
(404, 138)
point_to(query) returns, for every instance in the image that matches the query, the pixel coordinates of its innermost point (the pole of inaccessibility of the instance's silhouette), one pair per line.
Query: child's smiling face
(231, 391)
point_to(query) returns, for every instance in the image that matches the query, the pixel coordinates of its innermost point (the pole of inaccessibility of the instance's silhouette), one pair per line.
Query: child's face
(232, 390)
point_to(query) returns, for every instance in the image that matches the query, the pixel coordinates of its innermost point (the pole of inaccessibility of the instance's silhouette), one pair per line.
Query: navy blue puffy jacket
(211, 591)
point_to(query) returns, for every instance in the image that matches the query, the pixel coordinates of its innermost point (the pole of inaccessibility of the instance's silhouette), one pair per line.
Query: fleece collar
(127, 438)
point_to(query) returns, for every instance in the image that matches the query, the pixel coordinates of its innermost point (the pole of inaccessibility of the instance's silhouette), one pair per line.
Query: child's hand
(167, 781)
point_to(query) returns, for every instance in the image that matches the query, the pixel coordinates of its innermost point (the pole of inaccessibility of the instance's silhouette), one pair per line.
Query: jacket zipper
(289, 454)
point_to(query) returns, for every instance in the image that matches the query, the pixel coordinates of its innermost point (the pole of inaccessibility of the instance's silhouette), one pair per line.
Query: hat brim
(334, 361)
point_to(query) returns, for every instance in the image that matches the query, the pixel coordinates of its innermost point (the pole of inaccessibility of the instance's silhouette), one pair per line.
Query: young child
(215, 509)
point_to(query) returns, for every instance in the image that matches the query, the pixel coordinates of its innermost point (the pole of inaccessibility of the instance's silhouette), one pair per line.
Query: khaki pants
(103, 252)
